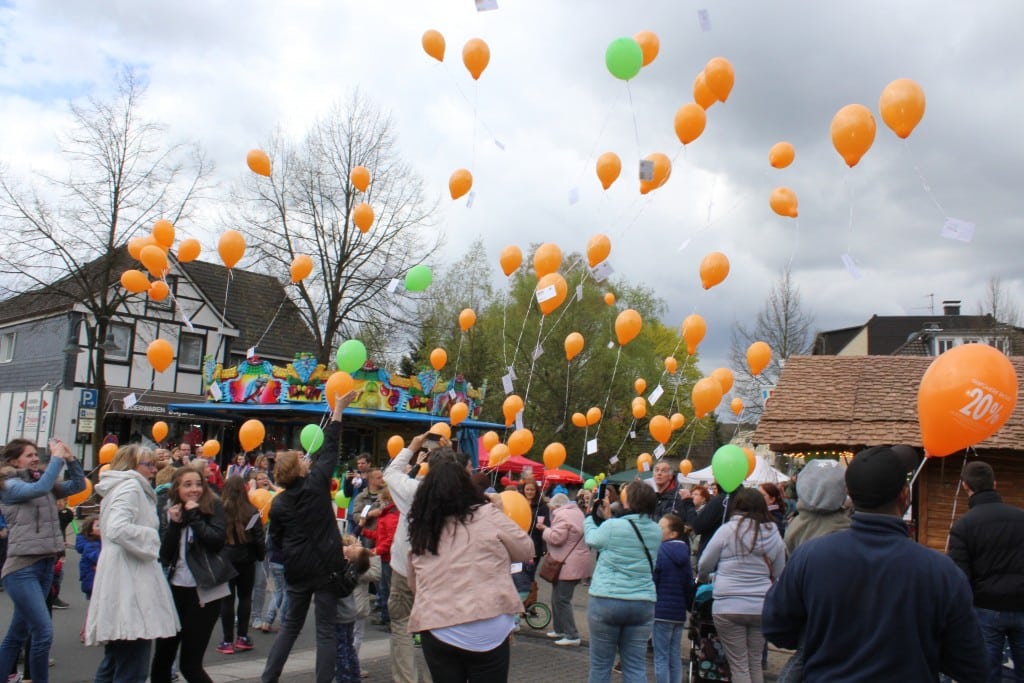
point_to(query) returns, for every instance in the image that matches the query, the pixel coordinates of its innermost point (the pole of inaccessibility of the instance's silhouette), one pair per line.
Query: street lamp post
(72, 348)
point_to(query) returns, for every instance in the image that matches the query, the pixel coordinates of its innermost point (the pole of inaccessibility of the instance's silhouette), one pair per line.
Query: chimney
(951, 307)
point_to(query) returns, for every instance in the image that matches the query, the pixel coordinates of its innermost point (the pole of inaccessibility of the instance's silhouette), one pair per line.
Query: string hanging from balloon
(608, 395)
(273, 318)
(924, 181)
(533, 363)
(956, 496)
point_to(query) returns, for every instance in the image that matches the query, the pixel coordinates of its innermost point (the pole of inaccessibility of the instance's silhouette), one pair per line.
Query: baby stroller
(536, 614)
(707, 656)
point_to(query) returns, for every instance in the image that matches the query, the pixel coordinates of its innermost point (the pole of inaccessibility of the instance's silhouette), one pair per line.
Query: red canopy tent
(562, 477)
(515, 464)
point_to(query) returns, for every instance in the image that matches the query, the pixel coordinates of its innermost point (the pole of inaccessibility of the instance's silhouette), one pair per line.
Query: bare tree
(306, 206)
(64, 232)
(785, 326)
(1000, 303)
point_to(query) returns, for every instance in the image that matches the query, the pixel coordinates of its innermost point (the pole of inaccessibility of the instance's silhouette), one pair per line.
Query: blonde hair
(129, 456)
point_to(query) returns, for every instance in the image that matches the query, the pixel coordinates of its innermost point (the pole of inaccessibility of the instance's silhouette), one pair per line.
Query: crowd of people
(824, 567)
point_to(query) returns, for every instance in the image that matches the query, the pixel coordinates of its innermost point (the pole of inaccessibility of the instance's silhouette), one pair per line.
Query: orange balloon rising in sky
(713, 269)
(720, 76)
(759, 354)
(547, 259)
(552, 282)
(258, 162)
(362, 216)
(360, 177)
(160, 354)
(155, 260)
(231, 247)
(627, 326)
(609, 166)
(511, 407)
(783, 202)
(593, 416)
(598, 249)
(163, 233)
(135, 281)
(640, 385)
(459, 412)
(573, 345)
(649, 45)
(460, 182)
(694, 328)
(781, 155)
(853, 132)
(706, 395)
(724, 378)
(511, 258)
(301, 267)
(467, 318)
(660, 428)
(189, 250)
(158, 291)
(554, 456)
(433, 44)
(579, 420)
(736, 405)
(690, 122)
(902, 106)
(609, 298)
(639, 408)
(671, 365)
(438, 358)
(662, 171)
(520, 442)
(476, 55)
(678, 421)
(702, 94)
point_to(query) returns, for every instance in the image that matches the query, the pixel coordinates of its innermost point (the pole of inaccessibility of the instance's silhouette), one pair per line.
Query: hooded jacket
(565, 532)
(744, 569)
(673, 580)
(988, 545)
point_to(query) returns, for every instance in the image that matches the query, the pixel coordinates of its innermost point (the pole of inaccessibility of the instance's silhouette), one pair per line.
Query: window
(190, 351)
(946, 345)
(121, 335)
(7, 347)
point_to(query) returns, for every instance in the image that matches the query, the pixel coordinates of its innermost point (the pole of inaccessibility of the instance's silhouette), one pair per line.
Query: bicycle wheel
(538, 615)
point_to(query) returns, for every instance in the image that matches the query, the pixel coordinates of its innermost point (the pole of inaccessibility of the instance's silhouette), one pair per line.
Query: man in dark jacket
(987, 543)
(667, 488)
(872, 604)
(706, 522)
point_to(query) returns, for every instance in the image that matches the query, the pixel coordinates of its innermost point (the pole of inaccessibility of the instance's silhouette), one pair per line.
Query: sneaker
(14, 678)
(226, 648)
(554, 635)
(568, 642)
(60, 604)
(242, 643)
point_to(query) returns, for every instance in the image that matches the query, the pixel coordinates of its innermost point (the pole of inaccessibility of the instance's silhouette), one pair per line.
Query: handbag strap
(642, 544)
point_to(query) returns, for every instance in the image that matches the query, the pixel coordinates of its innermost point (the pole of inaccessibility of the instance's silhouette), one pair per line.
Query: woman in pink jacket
(564, 538)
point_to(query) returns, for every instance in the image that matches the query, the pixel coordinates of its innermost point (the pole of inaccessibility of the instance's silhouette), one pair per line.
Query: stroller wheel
(538, 615)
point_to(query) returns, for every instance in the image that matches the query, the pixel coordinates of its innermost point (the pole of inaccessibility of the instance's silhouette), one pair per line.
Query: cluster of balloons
(588, 419)
(901, 105)
(476, 54)
(151, 251)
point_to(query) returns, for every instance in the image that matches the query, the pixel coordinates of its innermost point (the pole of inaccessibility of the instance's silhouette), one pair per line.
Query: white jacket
(130, 596)
(403, 490)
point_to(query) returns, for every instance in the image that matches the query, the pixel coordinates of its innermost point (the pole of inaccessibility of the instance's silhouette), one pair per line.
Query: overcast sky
(225, 77)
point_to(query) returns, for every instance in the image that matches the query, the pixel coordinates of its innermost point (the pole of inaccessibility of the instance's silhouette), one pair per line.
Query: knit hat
(876, 476)
(821, 487)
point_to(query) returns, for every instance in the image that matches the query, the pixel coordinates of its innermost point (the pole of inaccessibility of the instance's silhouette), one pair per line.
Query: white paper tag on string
(956, 229)
(538, 352)
(646, 170)
(216, 392)
(612, 460)
(659, 451)
(393, 286)
(592, 446)
(470, 198)
(574, 196)
(517, 567)
(611, 345)
(519, 420)
(656, 394)
(579, 292)
(130, 401)
(250, 352)
(506, 384)
(512, 372)
(499, 144)
(684, 245)
(632, 434)
(645, 466)
(452, 395)
(851, 267)
(704, 19)
(602, 271)
(546, 293)
(485, 5)
(366, 511)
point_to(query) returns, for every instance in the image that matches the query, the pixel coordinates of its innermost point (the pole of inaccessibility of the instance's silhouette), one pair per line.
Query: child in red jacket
(383, 535)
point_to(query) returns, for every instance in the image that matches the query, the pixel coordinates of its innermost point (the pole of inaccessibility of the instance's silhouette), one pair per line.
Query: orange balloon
(189, 250)
(561, 290)
(211, 447)
(783, 202)
(511, 407)
(685, 466)
(671, 365)
(467, 318)
(598, 248)
(104, 468)
(714, 269)
(395, 445)
(459, 412)
(547, 259)
(302, 266)
(135, 281)
(360, 177)
(159, 431)
(853, 132)
(520, 442)
(460, 182)
(163, 233)
(724, 378)
(644, 463)
(640, 385)
(678, 421)
(362, 216)
(573, 346)
(231, 247)
(702, 94)
(902, 106)
(498, 455)
(433, 44)
(662, 171)
(135, 246)
(965, 396)
(476, 56)
(338, 384)
(441, 429)
(107, 453)
(259, 162)
(759, 354)
(593, 416)
(649, 44)
(424, 470)
(155, 260)
(736, 405)
(719, 75)
(158, 291)
(160, 354)
(690, 122)
(751, 460)
(511, 258)
(76, 499)
(491, 439)
(781, 155)
(639, 408)
(627, 326)
(660, 428)
(251, 434)
(706, 395)
(554, 456)
(579, 420)
(694, 328)
(517, 508)
(609, 166)
(609, 298)
(438, 358)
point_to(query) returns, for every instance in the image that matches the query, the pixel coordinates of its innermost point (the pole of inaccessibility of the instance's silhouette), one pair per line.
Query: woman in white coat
(131, 601)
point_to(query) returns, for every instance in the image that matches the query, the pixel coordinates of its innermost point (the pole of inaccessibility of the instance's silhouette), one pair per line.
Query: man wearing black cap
(871, 604)
(988, 545)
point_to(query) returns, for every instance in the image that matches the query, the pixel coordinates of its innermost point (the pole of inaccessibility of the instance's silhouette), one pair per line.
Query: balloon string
(924, 181)
(224, 314)
(476, 98)
(519, 341)
(796, 244)
(586, 437)
(568, 375)
(849, 232)
(611, 384)
(533, 363)
(271, 323)
(956, 497)
(458, 88)
(504, 324)
(636, 128)
(632, 426)
(600, 135)
(458, 357)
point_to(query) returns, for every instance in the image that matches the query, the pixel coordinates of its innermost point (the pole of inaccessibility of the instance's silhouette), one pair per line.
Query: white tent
(763, 473)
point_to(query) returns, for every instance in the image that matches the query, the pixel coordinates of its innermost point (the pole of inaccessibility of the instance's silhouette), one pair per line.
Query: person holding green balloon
(729, 467)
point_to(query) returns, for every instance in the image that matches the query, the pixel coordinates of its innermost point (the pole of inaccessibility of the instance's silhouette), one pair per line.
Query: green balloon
(589, 484)
(340, 499)
(624, 58)
(418, 278)
(312, 438)
(729, 465)
(351, 356)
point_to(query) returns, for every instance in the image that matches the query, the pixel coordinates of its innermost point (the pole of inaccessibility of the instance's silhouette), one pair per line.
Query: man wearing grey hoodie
(821, 503)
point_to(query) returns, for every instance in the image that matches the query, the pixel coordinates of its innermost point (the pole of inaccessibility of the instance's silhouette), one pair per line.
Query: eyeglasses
(151, 465)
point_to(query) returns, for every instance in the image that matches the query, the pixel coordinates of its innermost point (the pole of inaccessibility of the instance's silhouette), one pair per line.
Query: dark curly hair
(446, 494)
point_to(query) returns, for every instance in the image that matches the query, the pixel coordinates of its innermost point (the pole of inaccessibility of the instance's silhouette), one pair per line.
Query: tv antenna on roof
(931, 304)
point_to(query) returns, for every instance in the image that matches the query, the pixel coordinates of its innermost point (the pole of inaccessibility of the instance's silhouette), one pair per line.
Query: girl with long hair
(246, 545)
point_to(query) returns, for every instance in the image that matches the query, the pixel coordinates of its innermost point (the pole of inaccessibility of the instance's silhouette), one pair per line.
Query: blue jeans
(346, 668)
(259, 591)
(623, 627)
(997, 628)
(124, 661)
(384, 590)
(278, 603)
(28, 588)
(668, 666)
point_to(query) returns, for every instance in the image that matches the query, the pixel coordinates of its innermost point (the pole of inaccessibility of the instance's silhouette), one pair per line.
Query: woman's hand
(174, 513)
(340, 403)
(191, 505)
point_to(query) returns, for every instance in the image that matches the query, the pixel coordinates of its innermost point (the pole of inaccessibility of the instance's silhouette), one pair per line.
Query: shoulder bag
(551, 568)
